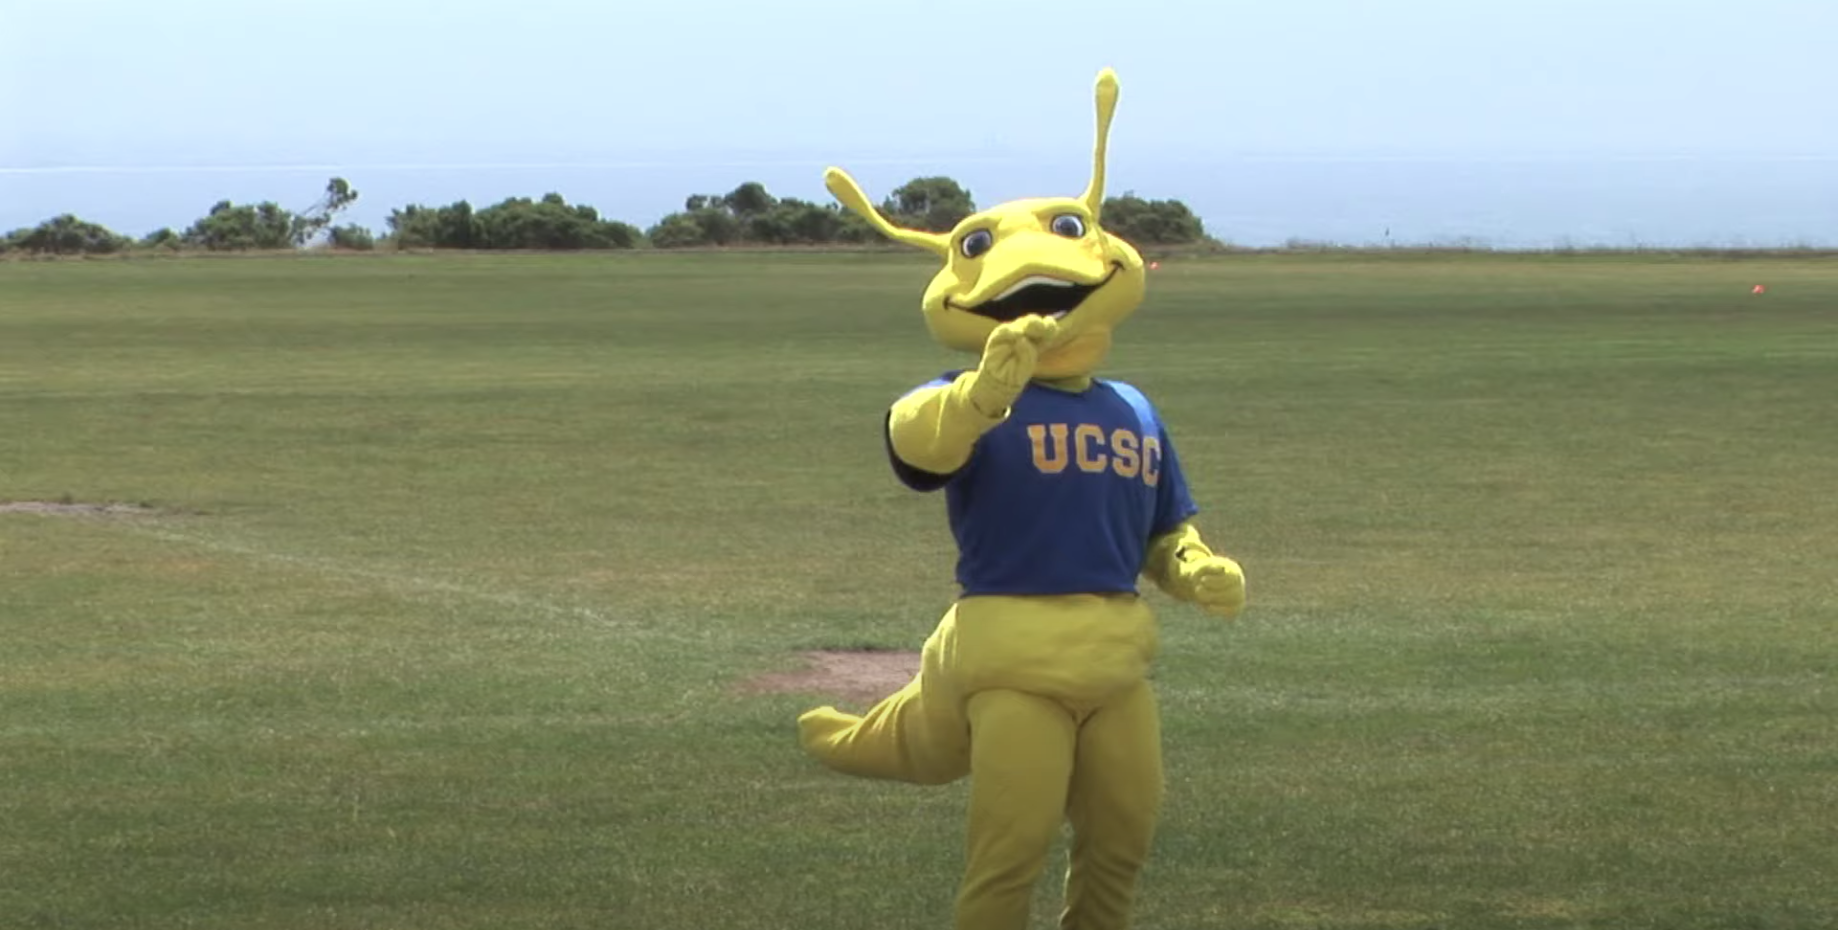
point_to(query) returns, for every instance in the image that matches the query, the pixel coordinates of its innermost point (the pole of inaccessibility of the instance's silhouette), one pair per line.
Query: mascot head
(1047, 256)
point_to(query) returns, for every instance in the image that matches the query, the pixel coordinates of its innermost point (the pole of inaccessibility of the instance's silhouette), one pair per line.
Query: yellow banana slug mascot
(1062, 490)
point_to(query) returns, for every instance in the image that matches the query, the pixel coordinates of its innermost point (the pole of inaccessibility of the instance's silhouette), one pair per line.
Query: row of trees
(227, 227)
(747, 215)
(517, 223)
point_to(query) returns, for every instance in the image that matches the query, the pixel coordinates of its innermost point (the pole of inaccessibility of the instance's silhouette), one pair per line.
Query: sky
(138, 110)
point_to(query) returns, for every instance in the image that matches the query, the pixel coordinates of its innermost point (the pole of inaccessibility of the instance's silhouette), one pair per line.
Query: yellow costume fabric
(1041, 699)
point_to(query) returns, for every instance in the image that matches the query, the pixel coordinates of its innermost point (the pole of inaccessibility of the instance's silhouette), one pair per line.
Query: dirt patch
(75, 509)
(860, 676)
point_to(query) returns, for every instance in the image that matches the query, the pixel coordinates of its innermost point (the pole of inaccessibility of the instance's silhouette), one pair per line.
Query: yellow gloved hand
(1184, 566)
(1009, 357)
(1216, 584)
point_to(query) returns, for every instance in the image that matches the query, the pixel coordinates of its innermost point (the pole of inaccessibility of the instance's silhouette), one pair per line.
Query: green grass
(461, 559)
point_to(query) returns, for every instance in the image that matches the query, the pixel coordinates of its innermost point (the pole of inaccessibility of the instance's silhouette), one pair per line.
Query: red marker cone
(1760, 289)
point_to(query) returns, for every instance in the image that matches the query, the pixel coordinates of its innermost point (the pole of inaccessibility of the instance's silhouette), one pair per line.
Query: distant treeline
(747, 215)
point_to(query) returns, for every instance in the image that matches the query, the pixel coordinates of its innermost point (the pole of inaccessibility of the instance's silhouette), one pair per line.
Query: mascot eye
(977, 243)
(1069, 225)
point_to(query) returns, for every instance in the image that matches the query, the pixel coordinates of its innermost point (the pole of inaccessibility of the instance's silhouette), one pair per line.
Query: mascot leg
(1113, 804)
(918, 734)
(1021, 759)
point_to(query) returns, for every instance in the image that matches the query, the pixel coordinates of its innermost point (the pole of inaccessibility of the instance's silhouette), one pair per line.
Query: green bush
(66, 235)
(934, 204)
(751, 215)
(677, 231)
(516, 223)
(163, 238)
(232, 228)
(1152, 222)
(449, 227)
(353, 238)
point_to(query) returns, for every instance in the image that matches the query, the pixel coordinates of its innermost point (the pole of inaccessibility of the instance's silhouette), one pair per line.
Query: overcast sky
(188, 81)
(1601, 120)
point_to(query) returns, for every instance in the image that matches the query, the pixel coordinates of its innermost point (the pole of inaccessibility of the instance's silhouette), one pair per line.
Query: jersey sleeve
(1173, 502)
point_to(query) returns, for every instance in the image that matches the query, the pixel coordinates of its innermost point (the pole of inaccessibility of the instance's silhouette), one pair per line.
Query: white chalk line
(400, 583)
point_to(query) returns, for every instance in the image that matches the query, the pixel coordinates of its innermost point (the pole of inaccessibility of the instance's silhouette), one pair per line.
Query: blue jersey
(1064, 496)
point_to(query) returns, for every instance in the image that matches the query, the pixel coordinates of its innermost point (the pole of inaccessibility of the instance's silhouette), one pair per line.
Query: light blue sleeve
(1173, 502)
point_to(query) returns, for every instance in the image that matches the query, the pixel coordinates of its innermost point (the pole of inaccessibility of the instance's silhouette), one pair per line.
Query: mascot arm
(935, 428)
(1181, 564)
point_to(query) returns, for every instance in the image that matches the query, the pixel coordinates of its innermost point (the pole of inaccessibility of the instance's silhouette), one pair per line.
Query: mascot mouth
(1048, 296)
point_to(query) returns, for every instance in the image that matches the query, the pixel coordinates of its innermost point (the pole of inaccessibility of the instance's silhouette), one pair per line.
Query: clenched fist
(1217, 584)
(1009, 357)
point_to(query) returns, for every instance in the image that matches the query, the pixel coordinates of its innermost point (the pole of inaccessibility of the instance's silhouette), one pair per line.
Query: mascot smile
(1062, 490)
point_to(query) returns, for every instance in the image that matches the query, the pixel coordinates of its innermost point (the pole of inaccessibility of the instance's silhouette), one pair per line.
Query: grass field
(458, 563)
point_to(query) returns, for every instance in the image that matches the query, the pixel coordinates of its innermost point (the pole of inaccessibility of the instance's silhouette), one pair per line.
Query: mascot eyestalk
(1062, 490)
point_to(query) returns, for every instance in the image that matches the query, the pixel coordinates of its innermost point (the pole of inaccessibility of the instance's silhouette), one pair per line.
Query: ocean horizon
(1499, 202)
